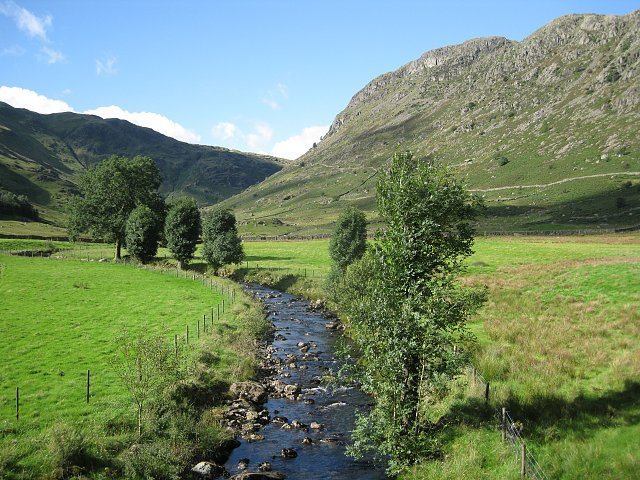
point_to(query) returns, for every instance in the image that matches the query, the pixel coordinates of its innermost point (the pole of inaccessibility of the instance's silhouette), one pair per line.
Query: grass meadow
(61, 317)
(558, 340)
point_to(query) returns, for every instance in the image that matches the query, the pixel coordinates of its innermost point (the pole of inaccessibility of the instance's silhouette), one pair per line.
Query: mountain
(545, 129)
(41, 157)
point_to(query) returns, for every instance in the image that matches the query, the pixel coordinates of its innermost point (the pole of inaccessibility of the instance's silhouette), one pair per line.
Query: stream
(322, 455)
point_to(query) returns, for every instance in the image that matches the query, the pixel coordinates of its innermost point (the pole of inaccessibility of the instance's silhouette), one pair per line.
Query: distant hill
(41, 157)
(546, 129)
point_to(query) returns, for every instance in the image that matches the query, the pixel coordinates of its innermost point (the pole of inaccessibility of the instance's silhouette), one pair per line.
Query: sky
(262, 76)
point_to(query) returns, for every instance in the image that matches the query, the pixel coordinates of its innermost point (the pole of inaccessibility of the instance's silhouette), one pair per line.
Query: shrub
(141, 233)
(221, 244)
(182, 229)
(16, 205)
(68, 447)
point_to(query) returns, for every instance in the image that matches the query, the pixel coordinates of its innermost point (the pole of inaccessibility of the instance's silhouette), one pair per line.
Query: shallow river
(335, 408)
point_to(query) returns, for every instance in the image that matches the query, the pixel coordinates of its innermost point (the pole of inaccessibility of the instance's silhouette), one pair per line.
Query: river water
(334, 408)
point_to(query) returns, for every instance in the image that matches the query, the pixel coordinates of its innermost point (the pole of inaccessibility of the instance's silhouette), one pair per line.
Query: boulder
(252, 391)
(259, 476)
(208, 470)
(288, 453)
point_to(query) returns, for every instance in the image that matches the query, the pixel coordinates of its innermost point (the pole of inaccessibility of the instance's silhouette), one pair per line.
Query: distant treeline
(16, 205)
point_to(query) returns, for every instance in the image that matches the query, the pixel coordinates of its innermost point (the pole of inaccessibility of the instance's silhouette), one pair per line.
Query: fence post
(204, 322)
(187, 334)
(223, 305)
(504, 424)
(486, 393)
(88, 384)
(198, 328)
(175, 344)
(218, 313)
(523, 461)
(17, 403)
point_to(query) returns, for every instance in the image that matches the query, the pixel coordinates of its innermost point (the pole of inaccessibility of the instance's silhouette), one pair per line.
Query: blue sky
(264, 76)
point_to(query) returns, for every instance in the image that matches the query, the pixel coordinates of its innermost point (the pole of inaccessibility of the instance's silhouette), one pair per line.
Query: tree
(108, 194)
(405, 310)
(147, 366)
(142, 232)
(221, 244)
(182, 229)
(349, 239)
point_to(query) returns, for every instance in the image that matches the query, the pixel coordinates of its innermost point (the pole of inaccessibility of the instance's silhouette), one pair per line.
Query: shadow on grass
(582, 415)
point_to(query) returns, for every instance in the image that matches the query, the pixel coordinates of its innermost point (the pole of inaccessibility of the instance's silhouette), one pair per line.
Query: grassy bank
(63, 317)
(558, 341)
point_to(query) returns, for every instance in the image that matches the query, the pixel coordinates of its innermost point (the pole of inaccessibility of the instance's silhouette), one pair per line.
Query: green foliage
(405, 309)
(109, 193)
(221, 244)
(16, 205)
(147, 367)
(69, 449)
(349, 239)
(141, 233)
(182, 229)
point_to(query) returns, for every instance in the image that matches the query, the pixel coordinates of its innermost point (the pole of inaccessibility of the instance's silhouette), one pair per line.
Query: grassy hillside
(62, 317)
(42, 155)
(544, 129)
(557, 340)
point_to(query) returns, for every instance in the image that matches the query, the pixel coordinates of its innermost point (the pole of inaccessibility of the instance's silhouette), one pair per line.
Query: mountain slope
(42, 155)
(545, 129)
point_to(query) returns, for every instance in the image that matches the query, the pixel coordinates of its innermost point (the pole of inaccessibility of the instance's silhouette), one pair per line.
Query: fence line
(229, 292)
(529, 466)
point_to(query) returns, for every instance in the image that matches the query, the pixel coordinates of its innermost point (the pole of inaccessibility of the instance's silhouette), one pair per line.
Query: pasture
(60, 318)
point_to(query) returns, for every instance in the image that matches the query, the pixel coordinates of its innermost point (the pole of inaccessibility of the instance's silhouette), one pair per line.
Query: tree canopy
(349, 239)
(142, 232)
(405, 309)
(221, 244)
(182, 229)
(108, 194)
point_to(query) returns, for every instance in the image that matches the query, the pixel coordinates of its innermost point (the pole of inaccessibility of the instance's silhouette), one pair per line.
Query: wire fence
(511, 429)
(193, 331)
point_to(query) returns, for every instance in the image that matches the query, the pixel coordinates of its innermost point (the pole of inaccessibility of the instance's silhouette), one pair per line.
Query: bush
(349, 239)
(152, 460)
(69, 447)
(16, 205)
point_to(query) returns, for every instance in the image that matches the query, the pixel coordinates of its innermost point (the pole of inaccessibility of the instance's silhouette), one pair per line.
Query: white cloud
(23, 98)
(157, 122)
(271, 103)
(282, 90)
(224, 130)
(26, 21)
(52, 56)
(260, 136)
(294, 146)
(12, 51)
(106, 66)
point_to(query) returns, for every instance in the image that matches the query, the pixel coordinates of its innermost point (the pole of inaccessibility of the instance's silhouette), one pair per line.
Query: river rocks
(317, 305)
(259, 476)
(335, 325)
(309, 401)
(280, 419)
(307, 441)
(254, 437)
(243, 464)
(264, 467)
(316, 426)
(288, 453)
(280, 389)
(252, 391)
(208, 470)
(298, 424)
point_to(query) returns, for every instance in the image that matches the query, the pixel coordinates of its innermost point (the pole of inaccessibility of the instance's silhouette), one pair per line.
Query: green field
(558, 340)
(62, 318)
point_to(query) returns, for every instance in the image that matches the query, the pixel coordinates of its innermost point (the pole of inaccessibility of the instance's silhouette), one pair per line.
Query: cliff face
(560, 105)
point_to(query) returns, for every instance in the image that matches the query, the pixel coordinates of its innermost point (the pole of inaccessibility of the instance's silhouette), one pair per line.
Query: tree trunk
(118, 249)
(183, 265)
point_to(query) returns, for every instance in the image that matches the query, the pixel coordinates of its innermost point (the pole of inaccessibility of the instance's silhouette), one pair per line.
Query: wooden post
(486, 393)
(211, 316)
(204, 322)
(187, 334)
(473, 369)
(223, 305)
(504, 424)
(523, 461)
(175, 344)
(198, 328)
(218, 313)
(88, 384)
(17, 403)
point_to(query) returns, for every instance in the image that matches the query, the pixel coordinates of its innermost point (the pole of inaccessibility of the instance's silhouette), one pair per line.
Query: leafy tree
(405, 309)
(147, 366)
(108, 194)
(349, 239)
(16, 205)
(221, 244)
(182, 229)
(142, 232)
